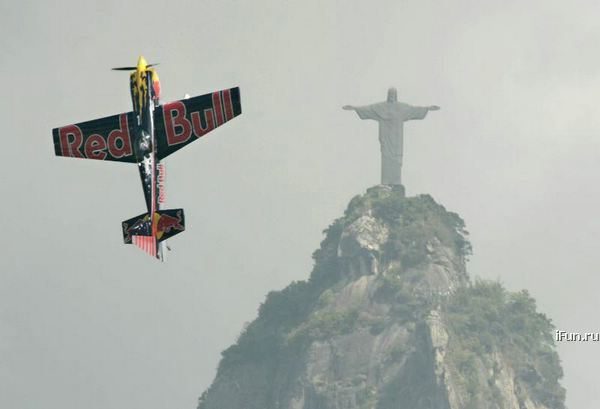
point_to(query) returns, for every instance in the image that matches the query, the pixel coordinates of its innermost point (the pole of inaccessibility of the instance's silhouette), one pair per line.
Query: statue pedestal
(398, 189)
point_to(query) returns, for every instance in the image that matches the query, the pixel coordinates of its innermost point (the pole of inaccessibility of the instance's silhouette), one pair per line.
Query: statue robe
(391, 117)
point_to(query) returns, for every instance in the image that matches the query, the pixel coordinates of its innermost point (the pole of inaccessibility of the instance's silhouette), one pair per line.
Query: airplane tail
(147, 234)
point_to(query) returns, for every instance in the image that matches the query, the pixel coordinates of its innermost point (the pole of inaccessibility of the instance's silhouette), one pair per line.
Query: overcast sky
(86, 321)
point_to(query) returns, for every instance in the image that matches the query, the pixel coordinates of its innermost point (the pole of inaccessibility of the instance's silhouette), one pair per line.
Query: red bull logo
(166, 223)
(140, 227)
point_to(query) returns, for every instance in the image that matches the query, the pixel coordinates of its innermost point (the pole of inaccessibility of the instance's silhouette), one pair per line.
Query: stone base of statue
(397, 189)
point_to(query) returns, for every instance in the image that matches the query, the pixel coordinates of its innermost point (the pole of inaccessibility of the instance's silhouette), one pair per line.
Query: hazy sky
(86, 321)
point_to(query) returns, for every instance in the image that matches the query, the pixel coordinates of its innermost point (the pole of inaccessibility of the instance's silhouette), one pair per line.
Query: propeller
(132, 68)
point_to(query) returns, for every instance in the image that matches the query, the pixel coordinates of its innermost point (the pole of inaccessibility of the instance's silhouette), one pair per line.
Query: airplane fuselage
(145, 93)
(145, 90)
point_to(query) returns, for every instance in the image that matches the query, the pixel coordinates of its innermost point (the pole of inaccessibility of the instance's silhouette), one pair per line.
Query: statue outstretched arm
(364, 112)
(413, 113)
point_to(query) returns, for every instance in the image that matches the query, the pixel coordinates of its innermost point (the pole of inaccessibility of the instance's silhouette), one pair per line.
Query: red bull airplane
(145, 136)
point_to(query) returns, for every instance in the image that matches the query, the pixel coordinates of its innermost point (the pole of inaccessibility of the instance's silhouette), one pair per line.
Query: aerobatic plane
(145, 136)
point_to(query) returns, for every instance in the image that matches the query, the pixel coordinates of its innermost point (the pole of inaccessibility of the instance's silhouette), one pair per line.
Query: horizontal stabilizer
(136, 226)
(166, 224)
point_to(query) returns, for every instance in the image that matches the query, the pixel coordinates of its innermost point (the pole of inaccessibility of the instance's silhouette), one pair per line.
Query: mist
(88, 321)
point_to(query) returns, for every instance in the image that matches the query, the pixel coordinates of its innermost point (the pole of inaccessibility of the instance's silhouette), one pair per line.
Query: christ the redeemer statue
(391, 115)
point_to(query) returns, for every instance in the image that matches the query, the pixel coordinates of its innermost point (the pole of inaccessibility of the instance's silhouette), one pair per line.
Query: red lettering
(228, 104)
(120, 137)
(216, 100)
(174, 117)
(68, 146)
(199, 130)
(95, 146)
(161, 183)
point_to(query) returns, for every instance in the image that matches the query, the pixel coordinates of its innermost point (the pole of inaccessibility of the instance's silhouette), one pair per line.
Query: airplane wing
(181, 122)
(107, 138)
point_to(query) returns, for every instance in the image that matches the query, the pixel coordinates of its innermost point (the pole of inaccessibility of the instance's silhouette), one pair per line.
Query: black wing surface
(109, 138)
(181, 122)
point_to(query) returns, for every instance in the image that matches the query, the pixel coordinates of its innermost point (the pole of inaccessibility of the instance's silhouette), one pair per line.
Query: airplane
(145, 136)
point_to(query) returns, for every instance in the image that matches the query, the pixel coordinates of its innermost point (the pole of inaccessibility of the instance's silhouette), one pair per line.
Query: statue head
(392, 95)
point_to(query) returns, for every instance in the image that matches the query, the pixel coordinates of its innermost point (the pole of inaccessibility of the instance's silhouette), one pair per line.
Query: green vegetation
(406, 306)
(485, 318)
(414, 221)
(325, 325)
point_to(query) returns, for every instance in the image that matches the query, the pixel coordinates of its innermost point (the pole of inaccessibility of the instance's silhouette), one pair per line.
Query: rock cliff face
(390, 319)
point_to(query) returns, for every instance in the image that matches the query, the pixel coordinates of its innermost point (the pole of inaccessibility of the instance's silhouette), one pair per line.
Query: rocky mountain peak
(390, 319)
(414, 238)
